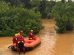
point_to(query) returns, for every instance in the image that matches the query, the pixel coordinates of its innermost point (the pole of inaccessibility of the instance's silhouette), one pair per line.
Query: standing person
(31, 35)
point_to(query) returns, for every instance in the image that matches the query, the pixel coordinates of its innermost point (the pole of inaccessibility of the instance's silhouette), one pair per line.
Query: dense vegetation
(13, 18)
(64, 16)
(45, 8)
(27, 14)
(23, 14)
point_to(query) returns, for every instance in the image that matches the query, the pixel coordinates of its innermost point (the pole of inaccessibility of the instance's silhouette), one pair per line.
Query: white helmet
(31, 30)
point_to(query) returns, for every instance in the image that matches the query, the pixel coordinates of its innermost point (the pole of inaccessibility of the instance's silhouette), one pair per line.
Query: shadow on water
(51, 43)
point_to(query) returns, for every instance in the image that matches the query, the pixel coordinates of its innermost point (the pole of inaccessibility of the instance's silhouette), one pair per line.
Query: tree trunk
(69, 0)
(63, 1)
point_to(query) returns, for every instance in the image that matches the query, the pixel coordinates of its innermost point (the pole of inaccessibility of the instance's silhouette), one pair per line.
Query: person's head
(16, 35)
(21, 32)
(31, 30)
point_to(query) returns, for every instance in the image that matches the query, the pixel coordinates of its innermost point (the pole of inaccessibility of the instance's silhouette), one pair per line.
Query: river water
(51, 42)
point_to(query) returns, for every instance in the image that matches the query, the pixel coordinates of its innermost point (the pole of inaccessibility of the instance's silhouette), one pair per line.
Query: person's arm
(14, 40)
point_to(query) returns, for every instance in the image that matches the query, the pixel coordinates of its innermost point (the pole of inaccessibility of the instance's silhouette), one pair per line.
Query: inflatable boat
(28, 45)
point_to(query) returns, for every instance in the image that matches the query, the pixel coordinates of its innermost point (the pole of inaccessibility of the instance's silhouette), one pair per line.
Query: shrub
(64, 16)
(12, 19)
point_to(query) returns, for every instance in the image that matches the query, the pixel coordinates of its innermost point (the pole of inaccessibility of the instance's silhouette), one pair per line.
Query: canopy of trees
(13, 18)
(27, 14)
(64, 16)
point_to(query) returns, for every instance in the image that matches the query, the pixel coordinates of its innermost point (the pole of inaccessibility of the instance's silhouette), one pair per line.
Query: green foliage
(45, 8)
(49, 7)
(35, 3)
(64, 16)
(63, 1)
(26, 3)
(42, 8)
(12, 19)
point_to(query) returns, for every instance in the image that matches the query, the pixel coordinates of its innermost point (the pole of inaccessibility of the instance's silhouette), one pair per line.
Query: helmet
(17, 34)
(31, 30)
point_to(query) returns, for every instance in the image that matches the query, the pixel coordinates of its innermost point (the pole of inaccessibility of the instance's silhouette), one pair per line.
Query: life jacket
(18, 39)
(15, 41)
(31, 35)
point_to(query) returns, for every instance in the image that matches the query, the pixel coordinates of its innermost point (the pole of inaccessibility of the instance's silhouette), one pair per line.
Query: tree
(35, 3)
(42, 8)
(12, 19)
(63, 1)
(64, 16)
(26, 3)
(69, 0)
(13, 2)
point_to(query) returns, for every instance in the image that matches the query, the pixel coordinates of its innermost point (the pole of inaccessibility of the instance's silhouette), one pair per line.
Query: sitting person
(17, 38)
(21, 32)
(20, 38)
(18, 42)
(31, 35)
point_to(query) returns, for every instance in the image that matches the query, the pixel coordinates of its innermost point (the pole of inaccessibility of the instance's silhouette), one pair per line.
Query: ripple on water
(47, 45)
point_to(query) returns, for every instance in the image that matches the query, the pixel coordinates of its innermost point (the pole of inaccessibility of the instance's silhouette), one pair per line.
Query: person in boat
(15, 41)
(31, 35)
(21, 32)
(17, 38)
(18, 42)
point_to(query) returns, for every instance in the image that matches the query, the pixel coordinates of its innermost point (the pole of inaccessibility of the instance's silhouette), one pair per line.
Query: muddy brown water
(51, 43)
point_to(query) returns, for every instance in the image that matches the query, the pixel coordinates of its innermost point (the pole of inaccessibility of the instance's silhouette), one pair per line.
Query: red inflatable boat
(28, 45)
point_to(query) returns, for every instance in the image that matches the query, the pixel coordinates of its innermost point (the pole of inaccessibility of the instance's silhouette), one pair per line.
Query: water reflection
(47, 45)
